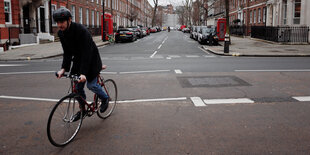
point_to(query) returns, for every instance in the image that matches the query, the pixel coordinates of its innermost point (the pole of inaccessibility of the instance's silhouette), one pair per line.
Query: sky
(166, 2)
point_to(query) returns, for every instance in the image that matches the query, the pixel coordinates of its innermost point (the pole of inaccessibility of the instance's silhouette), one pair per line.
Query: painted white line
(228, 101)
(159, 46)
(192, 56)
(28, 98)
(197, 101)
(125, 101)
(177, 71)
(37, 72)
(108, 72)
(151, 71)
(153, 100)
(284, 70)
(168, 58)
(11, 65)
(302, 98)
(153, 54)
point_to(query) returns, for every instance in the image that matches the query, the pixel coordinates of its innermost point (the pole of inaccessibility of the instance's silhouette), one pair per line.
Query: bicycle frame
(93, 106)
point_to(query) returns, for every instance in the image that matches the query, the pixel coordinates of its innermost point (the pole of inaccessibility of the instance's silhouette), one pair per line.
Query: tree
(154, 13)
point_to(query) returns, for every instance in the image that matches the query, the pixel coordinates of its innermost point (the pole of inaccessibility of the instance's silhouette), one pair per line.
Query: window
(53, 9)
(98, 24)
(7, 12)
(297, 8)
(251, 17)
(73, 13)
(87, 17)
(259, 16)
(81, 15)
(284, 12)
(93, 18)
(264, 14)
(254, 14)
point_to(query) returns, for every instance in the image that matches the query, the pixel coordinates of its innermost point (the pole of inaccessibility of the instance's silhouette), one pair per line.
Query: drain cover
(212, 81)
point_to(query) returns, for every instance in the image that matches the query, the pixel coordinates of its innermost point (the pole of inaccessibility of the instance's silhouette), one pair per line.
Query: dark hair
(61, 14)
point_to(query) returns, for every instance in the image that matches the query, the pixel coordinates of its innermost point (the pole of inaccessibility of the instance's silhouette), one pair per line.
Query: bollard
(226, 43)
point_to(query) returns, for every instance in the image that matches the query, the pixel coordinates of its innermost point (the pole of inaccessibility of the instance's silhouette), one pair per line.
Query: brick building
(9, 21)
(29, 21)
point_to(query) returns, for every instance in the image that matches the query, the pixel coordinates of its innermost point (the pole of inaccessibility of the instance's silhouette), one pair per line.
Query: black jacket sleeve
(67, 55)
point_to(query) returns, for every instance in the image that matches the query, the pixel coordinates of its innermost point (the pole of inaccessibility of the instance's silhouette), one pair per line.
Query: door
(26, 19)
(42, 22)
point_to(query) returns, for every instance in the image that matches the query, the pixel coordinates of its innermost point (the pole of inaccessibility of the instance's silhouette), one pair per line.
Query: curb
(251, 55)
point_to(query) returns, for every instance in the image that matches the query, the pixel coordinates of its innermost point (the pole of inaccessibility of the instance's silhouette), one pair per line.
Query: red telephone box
(221, 28)
(108, 20)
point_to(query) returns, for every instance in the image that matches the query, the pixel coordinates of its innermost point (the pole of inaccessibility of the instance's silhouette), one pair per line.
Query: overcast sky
(166, 2)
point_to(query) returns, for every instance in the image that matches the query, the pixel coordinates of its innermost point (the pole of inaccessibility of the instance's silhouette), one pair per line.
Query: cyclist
(79, 48)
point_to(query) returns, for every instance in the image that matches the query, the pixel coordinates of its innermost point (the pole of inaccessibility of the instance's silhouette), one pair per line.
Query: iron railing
(281, 34)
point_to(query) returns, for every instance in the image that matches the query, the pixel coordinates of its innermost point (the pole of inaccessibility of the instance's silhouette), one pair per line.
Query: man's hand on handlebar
(60, 73)
(82, 78)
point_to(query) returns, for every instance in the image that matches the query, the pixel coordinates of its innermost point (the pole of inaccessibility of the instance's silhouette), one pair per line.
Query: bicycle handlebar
(73, 77)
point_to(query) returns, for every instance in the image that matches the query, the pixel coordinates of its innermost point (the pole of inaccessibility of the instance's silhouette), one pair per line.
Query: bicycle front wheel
(109, 86)
(61, 129)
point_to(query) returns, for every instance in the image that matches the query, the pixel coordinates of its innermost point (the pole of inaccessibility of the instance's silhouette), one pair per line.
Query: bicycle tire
(61, 130)
(110, 87)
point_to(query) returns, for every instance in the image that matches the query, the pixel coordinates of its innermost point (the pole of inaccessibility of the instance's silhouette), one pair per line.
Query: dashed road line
(150, 71)
(228, 101)
(302, 98)
(12, 65)
(178, 71)
(36, 72)
(279, 70)
(198, 102)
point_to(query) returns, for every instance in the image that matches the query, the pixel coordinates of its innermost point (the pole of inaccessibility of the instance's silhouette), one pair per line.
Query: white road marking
(177, 71)
(153, 54)
(160, 46)
(284, 70)
(198, 102)
(192, 56)
(228, 101)
(11, 65)
(37, 72)
(153, 100)
(125, 101)
(168, 58)
(29, 98)
(302, 98)
(151, 71)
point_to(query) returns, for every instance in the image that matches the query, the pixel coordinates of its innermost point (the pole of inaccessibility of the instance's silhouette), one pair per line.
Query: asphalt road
(172, 96)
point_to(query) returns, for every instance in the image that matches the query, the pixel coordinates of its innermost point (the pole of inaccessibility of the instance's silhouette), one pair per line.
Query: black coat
(79, 47)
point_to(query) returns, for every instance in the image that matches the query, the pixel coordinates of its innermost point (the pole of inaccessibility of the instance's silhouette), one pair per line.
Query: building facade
(29, 21)
(9, 21)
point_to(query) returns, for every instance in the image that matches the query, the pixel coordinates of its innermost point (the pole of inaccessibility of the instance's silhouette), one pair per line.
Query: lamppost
(103, 22)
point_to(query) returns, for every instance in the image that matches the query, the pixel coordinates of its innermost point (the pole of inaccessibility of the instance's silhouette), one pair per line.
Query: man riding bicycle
(79, 48)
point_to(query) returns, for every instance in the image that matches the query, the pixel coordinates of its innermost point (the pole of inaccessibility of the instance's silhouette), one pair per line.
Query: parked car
(185, 30)
(153, 30)
(192, 32)
(195, 33)
(207, 35)
(125, 34)
(138, 31)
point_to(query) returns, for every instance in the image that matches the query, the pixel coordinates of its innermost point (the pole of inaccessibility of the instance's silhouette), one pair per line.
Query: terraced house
(29, 21)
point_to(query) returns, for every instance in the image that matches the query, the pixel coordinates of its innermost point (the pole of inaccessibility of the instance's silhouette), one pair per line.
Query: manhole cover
(212, 81)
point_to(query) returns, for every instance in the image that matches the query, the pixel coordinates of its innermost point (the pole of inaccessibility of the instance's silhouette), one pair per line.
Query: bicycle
(61, 129)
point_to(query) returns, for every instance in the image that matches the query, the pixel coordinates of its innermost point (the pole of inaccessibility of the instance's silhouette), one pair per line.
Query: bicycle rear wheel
(60, 127)
(110, 88)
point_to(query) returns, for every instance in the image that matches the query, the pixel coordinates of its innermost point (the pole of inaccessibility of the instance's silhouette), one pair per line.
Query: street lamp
(103, 22)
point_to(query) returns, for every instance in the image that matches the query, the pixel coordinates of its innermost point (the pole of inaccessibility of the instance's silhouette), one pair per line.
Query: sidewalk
(260, 48)
(39, 51)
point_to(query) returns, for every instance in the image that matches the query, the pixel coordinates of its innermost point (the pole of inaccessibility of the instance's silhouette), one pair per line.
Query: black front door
(26, 19)
(42, 22)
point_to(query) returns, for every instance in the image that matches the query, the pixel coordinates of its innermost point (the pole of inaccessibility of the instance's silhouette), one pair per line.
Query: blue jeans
(94, 87)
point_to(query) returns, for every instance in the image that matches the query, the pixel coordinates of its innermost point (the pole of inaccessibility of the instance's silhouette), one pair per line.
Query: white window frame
(73, 13)
(10, 11)
(93, 18)
(98, 19)
(81, 15)
(53, 7)
(294, 13)
(87, 17)
(259, 15)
